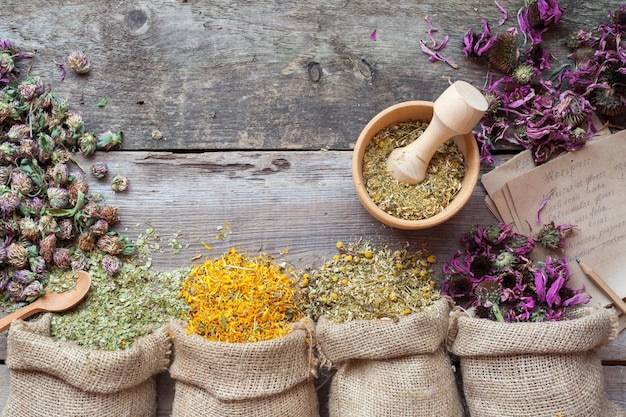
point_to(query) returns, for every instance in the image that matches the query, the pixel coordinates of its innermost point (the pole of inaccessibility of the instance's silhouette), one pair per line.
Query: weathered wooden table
(246, 113)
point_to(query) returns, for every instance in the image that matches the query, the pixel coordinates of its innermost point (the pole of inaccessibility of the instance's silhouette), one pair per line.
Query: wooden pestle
(455, 112)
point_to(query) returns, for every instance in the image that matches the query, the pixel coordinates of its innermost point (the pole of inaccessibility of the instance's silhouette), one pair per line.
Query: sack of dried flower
(539, 369)
(266, 378)
(51, 377)
(391, 367)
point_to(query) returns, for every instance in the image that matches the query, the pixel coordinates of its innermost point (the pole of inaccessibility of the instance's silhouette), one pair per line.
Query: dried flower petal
(78, 62)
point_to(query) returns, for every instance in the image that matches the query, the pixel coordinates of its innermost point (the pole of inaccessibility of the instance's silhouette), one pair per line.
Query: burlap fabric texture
(534, 369)
(273, 378)
(51, 378)
(391, 368)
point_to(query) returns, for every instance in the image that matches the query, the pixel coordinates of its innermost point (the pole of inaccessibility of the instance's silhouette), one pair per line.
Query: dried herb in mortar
(405, 201)
(362, 283)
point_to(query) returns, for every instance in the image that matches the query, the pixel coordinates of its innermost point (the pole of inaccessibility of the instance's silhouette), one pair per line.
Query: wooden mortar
(456, 112)
(413, 111)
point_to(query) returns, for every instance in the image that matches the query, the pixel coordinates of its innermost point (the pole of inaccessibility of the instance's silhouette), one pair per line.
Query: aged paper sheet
(587, 191)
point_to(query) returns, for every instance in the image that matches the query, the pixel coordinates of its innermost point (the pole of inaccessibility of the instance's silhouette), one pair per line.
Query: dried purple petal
(505, 14)
(17, 255)
(111, 265)
(62, 258)
(99, 169)
(78, 62)
(32, 291)
(433, 50)
(436, 56)
(58, 197)
(61, 67)
(543, 203)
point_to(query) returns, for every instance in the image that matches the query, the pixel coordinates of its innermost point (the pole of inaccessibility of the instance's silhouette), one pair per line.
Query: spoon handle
(22, 313)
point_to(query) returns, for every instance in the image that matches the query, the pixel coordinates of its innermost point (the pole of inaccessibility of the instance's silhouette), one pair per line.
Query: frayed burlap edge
(30, 348)
(240, 371)
(414, 334)
(595, 326)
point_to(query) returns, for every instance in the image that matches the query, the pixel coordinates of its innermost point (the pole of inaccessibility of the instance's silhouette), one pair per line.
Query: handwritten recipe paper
(586, 189)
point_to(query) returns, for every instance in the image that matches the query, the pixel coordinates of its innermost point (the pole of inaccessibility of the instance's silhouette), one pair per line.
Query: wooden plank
(615, 384)
(300, 201)
(5, 389)
(272, 201)
(226, 75)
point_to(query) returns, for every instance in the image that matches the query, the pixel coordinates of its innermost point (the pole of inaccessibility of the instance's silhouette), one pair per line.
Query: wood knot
(315, 71)
(137, 21)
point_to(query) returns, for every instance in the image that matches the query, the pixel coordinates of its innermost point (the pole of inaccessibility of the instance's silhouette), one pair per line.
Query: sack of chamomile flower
(381, 330)
(243, 349)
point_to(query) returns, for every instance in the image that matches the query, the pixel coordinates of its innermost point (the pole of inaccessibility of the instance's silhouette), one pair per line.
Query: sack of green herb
(266, 378)
(391, 367)
(52, 378)
(541, 369)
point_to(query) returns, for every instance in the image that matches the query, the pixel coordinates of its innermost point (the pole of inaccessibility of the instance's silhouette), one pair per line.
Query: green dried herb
(117, 311)
(405, 201)
(362, 282)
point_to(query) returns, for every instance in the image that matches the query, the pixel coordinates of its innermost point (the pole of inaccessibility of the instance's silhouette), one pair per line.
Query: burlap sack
(273, 378)
(52, 378)
(534, 369)
(387, 368)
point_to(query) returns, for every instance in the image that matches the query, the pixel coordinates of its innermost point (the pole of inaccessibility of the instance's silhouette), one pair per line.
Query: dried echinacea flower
(504, 52)
(119, 183)
(497, 277)
(524, 74)
(78, 62)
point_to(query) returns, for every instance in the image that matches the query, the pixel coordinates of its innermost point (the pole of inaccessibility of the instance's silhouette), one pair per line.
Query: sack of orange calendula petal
(243, 349)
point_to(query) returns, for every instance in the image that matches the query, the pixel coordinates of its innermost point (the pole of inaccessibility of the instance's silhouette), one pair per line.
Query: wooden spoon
(52, 301)
(455, 112)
